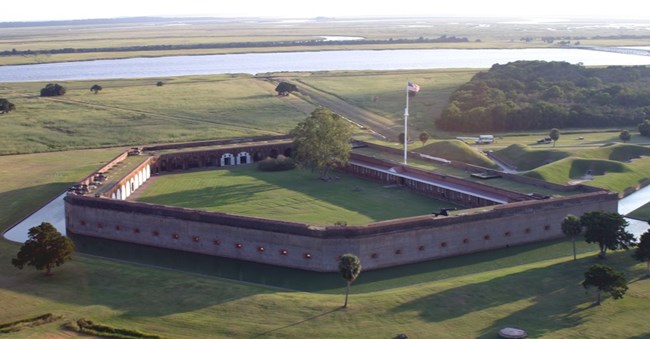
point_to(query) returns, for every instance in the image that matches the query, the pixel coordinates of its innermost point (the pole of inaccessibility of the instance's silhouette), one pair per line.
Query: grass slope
(291, 195)
(624, 165)
(641, 213)
(525, 158)
(469, 296)
(456, 150)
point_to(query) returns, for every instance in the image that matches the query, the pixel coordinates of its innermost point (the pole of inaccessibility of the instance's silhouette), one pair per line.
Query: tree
(554, 135)
(642, 252)
(96, 88)
(571, 227)
(52, 90)
(350, 268)
(424, 137)
(6, 106)
(644, 128)
(605, 279)
(607, 229)
(46, 247)
(625, 136)
(322, 141)
(284, 88)
(401, 138)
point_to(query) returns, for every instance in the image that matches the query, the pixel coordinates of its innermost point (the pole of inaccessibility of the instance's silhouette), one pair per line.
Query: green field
(469, 296)
(383, 92)
(294, 195)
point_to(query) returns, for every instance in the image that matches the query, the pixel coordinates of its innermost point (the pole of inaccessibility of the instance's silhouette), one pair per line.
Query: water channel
(254, 63)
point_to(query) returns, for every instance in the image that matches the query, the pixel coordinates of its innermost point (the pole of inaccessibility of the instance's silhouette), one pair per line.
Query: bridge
(622, 50)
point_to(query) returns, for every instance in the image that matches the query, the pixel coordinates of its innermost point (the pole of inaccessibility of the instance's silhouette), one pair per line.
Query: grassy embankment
(614, 167)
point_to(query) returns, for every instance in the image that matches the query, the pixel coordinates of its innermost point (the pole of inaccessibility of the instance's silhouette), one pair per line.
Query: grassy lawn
(468, 296)
(135, 112)
(291, 195)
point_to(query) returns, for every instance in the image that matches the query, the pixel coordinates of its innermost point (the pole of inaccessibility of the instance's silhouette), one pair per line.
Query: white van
(485, 139)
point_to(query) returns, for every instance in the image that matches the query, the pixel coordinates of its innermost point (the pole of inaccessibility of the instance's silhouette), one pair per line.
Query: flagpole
(406, 118)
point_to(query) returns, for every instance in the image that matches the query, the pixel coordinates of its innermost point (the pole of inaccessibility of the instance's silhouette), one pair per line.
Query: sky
(37, 10)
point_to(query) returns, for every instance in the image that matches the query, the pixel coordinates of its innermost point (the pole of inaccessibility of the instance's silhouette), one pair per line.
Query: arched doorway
(227, 160)
(243, 158)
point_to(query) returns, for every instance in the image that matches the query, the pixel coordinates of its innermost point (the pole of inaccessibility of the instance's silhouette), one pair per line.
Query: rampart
(518, 219)
(381, 244)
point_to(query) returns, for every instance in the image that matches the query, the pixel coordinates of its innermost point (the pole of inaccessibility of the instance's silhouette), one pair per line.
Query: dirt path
(381, 127)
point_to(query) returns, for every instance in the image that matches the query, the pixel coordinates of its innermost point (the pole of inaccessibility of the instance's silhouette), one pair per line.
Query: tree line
(526, 95)
(243, 44)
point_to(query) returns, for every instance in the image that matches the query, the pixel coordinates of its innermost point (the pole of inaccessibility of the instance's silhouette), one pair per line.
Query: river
(255, 63)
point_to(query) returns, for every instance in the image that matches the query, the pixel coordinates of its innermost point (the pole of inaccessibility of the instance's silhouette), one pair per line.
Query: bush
(52, 90)
(6, 106)
(281, 163)
(644, 128)
(88, 327)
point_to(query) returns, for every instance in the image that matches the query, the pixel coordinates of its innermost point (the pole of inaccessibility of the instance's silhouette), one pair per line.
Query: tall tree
(44, 248)
(607, 229)
(605, 279)
(571, 227)
(625, 136)
(350, 268)
(322, 141)
(424, 137)
(554, 135)
(642, 252)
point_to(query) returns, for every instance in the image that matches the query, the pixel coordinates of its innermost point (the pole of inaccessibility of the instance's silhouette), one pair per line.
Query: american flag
(411, 87)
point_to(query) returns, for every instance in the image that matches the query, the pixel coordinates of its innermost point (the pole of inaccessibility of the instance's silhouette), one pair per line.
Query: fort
(495, 217)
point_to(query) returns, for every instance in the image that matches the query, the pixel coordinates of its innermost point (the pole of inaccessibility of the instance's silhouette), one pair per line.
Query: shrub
(88, 327)
(281, 163)
(52, 90)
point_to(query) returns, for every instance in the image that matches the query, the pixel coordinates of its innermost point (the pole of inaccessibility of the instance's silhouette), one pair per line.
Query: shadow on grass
(297, 323)
(135, 290)
(209, 197)
(547, 299)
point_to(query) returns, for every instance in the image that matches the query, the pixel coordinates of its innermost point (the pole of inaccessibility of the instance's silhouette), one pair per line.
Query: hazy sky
(31, 10)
